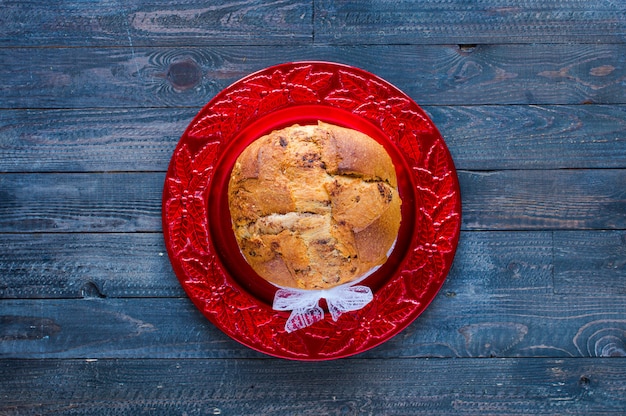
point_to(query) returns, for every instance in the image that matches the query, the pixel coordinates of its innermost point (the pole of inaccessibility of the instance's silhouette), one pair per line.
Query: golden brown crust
(314, 206)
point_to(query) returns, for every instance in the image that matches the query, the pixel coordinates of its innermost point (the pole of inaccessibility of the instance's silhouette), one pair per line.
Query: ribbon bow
(304, 304)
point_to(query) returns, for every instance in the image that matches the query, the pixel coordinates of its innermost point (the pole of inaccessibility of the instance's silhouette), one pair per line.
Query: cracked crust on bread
(314, 206)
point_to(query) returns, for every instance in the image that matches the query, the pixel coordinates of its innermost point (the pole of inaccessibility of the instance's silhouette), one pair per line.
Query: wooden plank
(533, 137)
(156, 22)
(85, 265)
(457, 21)
(430, 74)
(76, 265)
(279, 22)
(492, 262)
(497, 200)
(81, 202)
(469, 318)
(350, 387)
(495, 274)
(479, 137)
(544, 199)
(590, 262)
(105, 328)
(90, 140)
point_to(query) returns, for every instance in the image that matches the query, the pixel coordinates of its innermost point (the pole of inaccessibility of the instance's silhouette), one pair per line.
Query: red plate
(197, 225)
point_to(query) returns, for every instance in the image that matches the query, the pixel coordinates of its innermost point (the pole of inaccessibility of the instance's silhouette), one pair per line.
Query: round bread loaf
(314, 206)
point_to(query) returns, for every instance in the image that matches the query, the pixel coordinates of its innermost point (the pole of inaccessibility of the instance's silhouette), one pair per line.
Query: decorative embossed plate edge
(336, 93)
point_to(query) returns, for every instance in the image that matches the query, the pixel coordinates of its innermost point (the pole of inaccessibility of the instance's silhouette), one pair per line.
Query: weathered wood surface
(354, 387)
(458, 21)
(530, 97)
(479, 137)
(493, 200)
(93, 140)
(588, 261)
(529, 322)
(542, 199)
(430, 74)
(114, 265)
(157, 22)
(84, 202)
(525, 279)
(60, 265)
(295, 21)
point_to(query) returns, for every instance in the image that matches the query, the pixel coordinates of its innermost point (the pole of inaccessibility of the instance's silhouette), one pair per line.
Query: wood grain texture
(90, 140)
(529, 324)
(430, 74)
(498, 301)
(533, 137)
(84, 202)
(494, 200)
(59, 265)
(492, 262)
(157, 22)
(272, 387)
(278, 22)
(541, 199)
(457, 21)
(495, 274)
(530, 97)
(479, 137)
(590, 262)
(86, 265)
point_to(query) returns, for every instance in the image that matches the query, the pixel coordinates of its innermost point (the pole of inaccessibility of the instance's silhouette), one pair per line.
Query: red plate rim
(196, 220)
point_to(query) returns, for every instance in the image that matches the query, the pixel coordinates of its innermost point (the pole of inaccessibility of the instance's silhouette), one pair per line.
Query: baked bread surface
(314, 206)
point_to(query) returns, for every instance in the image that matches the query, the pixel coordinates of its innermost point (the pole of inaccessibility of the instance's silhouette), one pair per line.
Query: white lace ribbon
(304, 304)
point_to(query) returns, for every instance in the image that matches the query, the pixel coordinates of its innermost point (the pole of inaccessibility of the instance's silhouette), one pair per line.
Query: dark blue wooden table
(530, 98)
